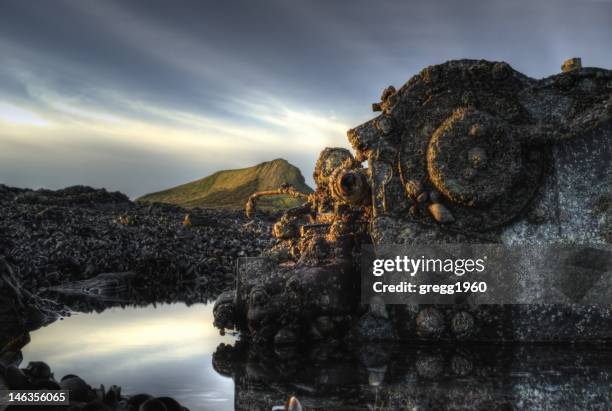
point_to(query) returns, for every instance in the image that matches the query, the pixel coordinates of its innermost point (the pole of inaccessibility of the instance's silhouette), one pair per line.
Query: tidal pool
(173, 350)
(163, 350)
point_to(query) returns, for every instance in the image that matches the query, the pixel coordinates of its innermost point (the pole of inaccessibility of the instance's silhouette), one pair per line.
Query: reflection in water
(164, 351)
(168, 351)
(383, 377)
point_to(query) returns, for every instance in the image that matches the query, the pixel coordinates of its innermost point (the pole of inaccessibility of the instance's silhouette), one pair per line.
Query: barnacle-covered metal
(350, 186)
(466, 151)
(286, 189)
(479, 133)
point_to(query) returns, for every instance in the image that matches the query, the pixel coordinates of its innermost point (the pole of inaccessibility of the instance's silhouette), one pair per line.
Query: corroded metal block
(469, 151)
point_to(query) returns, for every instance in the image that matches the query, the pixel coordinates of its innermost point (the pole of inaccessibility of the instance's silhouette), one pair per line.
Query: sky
(142, 95)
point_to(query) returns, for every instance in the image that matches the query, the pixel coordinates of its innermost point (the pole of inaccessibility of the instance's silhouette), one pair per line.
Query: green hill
(232, 188)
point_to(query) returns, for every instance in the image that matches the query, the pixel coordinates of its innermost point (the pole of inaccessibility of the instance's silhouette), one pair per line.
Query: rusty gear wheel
(472, 158)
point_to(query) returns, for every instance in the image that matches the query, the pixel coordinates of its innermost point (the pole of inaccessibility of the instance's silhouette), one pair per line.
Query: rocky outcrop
(37, 375)
(72, 196)
(78, 233)
(469, 151)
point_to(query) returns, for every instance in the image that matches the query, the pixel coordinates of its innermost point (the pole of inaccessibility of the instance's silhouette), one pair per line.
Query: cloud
(15, 115)
(138, 96)
(107, 148)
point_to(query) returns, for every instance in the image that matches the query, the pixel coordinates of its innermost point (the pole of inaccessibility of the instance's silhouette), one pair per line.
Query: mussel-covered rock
(86, 232)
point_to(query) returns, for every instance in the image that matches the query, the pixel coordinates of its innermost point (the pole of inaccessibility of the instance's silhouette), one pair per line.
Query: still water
(173, 350)
(163, 350)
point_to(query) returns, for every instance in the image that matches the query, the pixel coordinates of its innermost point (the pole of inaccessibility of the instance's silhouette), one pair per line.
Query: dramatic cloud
(141, 95)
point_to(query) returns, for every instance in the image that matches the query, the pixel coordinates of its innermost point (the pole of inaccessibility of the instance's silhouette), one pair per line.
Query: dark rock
(374, 328)
(170, 403)
(113, 396)
(501, 71)
(38, 370)
(325, 325)
(285, 336)
(47, 385)
(435, 197)
(430, 366)
(430, 323)
(16, 378)
(75, 195)
(82, 238)
(378, 308)
(153, 404)
(79, 389)
(423, 197)
(96, 405)
(67, 376)
(13, 316)
(461, 365)
(462, 324)
(135, 401)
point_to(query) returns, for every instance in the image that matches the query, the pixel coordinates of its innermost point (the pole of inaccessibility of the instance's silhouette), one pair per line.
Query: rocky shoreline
(38, 376)
(51, 239)
(84, 249)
